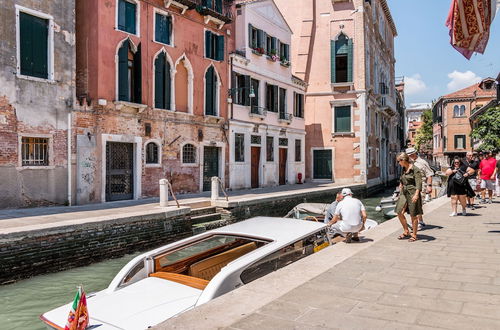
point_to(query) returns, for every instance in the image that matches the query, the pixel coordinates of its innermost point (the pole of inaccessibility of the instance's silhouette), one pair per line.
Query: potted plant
(284, 61)
(273, 55)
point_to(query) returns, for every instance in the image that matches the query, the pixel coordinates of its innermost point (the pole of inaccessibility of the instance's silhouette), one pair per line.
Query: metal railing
(256, 110)
(285, 116)
(216, 8)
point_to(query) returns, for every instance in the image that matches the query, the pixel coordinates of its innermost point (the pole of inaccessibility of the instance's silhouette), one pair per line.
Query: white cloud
(461, 80)
(414, 85)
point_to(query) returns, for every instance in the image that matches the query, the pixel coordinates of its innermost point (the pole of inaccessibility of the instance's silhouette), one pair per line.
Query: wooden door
(119, 171)
(282, 166)
(322, 164)
(210, 166)
(255, 162)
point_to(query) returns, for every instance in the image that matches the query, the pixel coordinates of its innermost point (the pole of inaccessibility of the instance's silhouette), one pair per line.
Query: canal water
(21, 303)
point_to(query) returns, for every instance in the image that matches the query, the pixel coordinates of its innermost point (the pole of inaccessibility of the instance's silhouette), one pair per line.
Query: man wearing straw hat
(426, 170)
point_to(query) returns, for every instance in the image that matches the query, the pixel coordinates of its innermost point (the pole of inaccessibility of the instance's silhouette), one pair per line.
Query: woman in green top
(410, 199)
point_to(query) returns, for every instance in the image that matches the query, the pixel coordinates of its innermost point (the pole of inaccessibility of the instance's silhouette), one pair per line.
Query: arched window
(459, 111)
(341, 59)
(462, 110)
(188, 154)
(211, 92)
(129, 73)
(163, 85)
(152, 154)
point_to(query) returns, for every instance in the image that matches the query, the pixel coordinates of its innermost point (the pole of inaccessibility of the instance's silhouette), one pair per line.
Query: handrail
(222, 188)
(172, 193)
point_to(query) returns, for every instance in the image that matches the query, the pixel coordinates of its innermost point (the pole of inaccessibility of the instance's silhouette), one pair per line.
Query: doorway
(119, 171)
(282, 165)
(210, 166)
(255, 163)
(322, 164)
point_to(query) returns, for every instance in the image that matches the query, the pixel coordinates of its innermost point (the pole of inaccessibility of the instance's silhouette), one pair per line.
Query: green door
(210, 166)
(322, 164)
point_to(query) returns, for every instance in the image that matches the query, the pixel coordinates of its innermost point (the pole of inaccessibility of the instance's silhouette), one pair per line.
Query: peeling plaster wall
(30, 107)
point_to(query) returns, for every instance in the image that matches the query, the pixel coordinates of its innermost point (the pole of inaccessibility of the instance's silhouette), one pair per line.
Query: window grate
(283, 142)
(152, 153)
(35, 151)
(188, 154)
(255, 139)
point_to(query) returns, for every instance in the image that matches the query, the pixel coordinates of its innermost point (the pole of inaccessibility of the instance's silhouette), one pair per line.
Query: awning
(469, 22)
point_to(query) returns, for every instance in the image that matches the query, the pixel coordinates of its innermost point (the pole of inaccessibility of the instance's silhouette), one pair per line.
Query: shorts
(487, 184)
(473, 184)
(340, 228)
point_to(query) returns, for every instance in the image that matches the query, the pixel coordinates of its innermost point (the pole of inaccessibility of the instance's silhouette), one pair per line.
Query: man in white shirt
(349, 217)
(330, 211)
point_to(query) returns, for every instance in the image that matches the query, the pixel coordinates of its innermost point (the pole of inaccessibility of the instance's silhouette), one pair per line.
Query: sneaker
(453, 214)
(464, 212)
(482, 201)
(355, 238)
(348, 238)
(421, 225)
(472, 207)
(490, 201)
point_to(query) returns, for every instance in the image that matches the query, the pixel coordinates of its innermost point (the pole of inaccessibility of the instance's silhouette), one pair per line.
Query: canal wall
(28, 253)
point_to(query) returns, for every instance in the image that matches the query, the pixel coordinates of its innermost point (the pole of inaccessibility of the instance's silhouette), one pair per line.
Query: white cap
(410, 151)
(346, 191)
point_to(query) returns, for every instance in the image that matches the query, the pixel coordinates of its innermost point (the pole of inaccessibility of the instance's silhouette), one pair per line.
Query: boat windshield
(215, 243)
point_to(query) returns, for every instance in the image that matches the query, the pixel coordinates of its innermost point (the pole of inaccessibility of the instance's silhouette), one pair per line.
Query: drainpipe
(69, 159)
(231, 86)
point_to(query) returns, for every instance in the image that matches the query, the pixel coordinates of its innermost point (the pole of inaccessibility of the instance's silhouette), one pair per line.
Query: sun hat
(346, 191)
(410, 151)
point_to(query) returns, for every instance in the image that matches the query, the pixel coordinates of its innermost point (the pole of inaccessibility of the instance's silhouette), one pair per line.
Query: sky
(425, 58)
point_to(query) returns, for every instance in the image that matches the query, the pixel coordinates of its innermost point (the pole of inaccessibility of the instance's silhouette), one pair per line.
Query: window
(254, 101)
(284, 52)
(35, 151)
(459, 141)
(214, 46)
(127, 16)
(342, 119)
(152, 153)
(285, 256)
(271, 46)
(269, 149)
(213, 4)
(272, 98)
(163, 85)
(242, 92)
(341, 59)
(370, 156)
(129, 73)
(377, 156)
(255, 139)
(33, 46)
(211, 92)
(459, 111)
(163, 29)
(254, 37)
(282, 103)
(188, 154)
(298, 150)
(298, 106)
(239, 147)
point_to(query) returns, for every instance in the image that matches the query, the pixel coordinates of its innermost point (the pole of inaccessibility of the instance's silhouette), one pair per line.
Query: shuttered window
(298, 150)
(214, 46)
(210, 92)
(163, 28)
(254, 101)
(272, 98)
(343, 119)
(239, 147)
(298, 107)
(162, 82)
(341, 56)
(127, 16)
(33, 45)
(282, 103)
(129, 73)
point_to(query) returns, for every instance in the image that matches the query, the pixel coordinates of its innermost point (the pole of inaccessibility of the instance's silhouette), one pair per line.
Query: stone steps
(204, 226)
(205, 218)
(203, 211)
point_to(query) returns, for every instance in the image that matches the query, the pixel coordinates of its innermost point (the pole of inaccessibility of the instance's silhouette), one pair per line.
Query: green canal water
(21, 303)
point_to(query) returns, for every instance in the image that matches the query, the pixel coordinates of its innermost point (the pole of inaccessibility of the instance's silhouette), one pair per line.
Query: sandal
(404, 236)
(413, 239)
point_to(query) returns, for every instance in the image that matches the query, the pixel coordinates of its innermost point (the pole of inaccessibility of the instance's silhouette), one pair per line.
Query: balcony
(182, 4)
(217, 11)
(285, 117)
(259, 112)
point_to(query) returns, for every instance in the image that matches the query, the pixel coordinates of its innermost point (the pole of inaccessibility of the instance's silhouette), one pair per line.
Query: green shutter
(250, 43)
(137, 76)
(287, 52)
(264, 42)
(275, 98)
(210, 91)
(162, 28)
(122, 15)
(123, 92)
(207, 3)
(168, 86)
(208, 44)
(273, 44)
(282, 102)
(169, 30)
(260, 39)
(246, 90)
(332, 61)
(218, 6)
(34, 42)
(350, 62)
(220, 48)
(343, 119)
(160, 81)
(130, 17)
(255, 100)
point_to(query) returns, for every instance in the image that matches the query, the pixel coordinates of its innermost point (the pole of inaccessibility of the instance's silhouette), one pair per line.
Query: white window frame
(172, 79)
(50, 46)
(164, 13)
(50, 137)
(205, 44)
(158, 144)
(196, 156)
(137, 18)
(333, 105)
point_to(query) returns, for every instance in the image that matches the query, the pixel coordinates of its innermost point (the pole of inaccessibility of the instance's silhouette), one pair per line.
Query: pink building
(152, 81)
(350, 112)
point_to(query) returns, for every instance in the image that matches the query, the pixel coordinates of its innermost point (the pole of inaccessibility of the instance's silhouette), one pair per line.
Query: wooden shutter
(274, 44)
(137, 76)
(122, 15)
(130, 17)
(275, 98)
(162, 28)
(247, 90)
(123, 92)
(33, 34)
(207, 3)
(343, 119)
(264, 42)
(349, 59)
(282, 104)
(255, 100)
(332, 61)
(260, 38)
(287, 52)
(160, 81)
(168, 86)
(169, 29)
(250, 43)
(210, 91)
(208, 44)
(218, 6)
(220, 48)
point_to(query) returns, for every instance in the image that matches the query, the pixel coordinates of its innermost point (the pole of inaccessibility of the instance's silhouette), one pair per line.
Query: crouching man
(349, 218)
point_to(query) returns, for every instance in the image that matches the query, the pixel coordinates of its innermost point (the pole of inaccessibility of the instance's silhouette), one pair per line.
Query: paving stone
(467, 296)
(285, 310)
(420, 292)
(447, 285)
(385, 312)
(482, 310)
(421, 303)
(467, 271)
(328, 317)
(465, 278)
(346, 292)
(380, 286)
(456, 321)
(316, 298)
(266, 322)
(483, 288)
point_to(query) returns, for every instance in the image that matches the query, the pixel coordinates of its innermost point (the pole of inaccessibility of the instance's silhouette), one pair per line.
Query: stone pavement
(449, 279)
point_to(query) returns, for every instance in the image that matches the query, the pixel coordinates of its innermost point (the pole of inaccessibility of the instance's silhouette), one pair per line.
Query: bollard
(215, 188)
(163, 193)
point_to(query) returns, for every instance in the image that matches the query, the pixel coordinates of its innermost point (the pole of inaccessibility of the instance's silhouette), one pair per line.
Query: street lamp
(231, 91)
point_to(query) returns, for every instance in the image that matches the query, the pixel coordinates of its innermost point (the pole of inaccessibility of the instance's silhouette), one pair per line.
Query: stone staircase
(206, 218)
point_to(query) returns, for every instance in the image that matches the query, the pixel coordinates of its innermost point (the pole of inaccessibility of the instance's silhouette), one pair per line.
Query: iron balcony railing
(286, 116)
(255, 110)
(220, 9)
